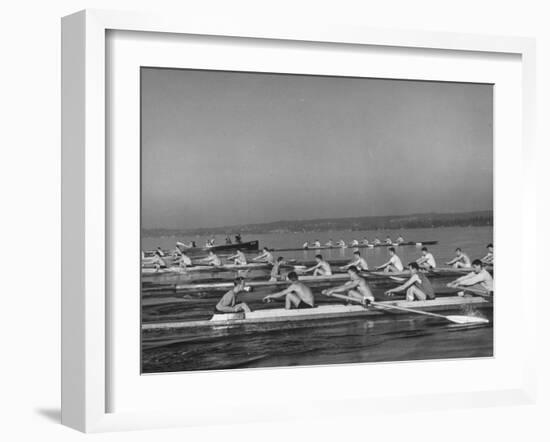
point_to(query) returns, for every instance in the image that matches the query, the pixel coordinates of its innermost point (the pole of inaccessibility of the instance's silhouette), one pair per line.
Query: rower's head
(413, 267)
(280, 259)
(424, 250)
(477, 265)
(238, 284)
(292, 276)
(490, 247)
(318, 258)
(265, 249)
(357, 253)
(392, 251)
(458, 251)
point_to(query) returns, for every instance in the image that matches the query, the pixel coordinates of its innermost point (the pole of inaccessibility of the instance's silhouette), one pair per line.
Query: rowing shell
(443, 272)
(330, 311)
(206, 268)
(360, 246)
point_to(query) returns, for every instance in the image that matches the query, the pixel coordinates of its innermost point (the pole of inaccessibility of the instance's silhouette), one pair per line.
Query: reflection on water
(392, 338)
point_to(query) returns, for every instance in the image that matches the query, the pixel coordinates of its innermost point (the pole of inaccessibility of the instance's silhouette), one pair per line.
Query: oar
(475, 291)
(453, 318)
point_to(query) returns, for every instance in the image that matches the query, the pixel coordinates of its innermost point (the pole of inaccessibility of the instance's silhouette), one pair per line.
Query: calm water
(388, 338)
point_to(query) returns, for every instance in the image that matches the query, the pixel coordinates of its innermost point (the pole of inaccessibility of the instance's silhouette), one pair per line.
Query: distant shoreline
(399, 222)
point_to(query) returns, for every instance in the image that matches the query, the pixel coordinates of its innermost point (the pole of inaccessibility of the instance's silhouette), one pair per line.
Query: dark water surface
(398, 337)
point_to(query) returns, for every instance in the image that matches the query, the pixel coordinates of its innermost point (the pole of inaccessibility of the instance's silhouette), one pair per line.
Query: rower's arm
(347, 266)
(421, 260)
(461, 280)
(343, 288)
(311, 269)
(281, 293)
(452, 261)
(386, 264)
(224, 304)
(405, 285)
(472, 280)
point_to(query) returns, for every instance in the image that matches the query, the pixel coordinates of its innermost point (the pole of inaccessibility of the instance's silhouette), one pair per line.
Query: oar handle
(476, 291)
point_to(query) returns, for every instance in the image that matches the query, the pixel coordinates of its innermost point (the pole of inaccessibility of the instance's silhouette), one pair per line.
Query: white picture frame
(85, 207)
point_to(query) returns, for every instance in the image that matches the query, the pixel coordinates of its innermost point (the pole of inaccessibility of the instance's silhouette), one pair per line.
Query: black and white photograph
(302, 220)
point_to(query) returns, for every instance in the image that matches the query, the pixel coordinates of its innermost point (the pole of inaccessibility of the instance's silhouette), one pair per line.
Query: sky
(229, 148)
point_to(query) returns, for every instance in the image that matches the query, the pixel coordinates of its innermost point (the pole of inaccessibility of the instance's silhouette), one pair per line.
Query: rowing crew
(354, 243)
(297, 295)
(417, 288)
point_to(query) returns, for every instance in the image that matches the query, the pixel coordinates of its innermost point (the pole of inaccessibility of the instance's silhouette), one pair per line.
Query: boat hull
(331, 311)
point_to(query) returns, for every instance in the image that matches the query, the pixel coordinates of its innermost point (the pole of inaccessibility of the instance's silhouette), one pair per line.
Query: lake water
(388, 338)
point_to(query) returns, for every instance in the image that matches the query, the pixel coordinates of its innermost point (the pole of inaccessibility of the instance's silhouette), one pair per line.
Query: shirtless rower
(354, 243)
(427, 260)
(478, 279)
(418, 287)
(317, 244)
(276, 274)
(358, 262)
(212, 259)
(388, 240)
(265, 256)
(297, 295)
(341, 244)
(356, 288)
(365, 241)
(238, 258)
(322, 268)
(400, 239)
(184, 260)
(460, 261)
(488, 259)
(228, 302)
(305, 245)
(376, 241)
(393, 265)
(329, 243)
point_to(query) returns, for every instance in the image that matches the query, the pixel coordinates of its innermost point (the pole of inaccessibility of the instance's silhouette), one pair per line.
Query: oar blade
(467, 319)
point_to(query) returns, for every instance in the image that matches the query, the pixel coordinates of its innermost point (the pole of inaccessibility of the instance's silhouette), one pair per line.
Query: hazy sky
(225, 148)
